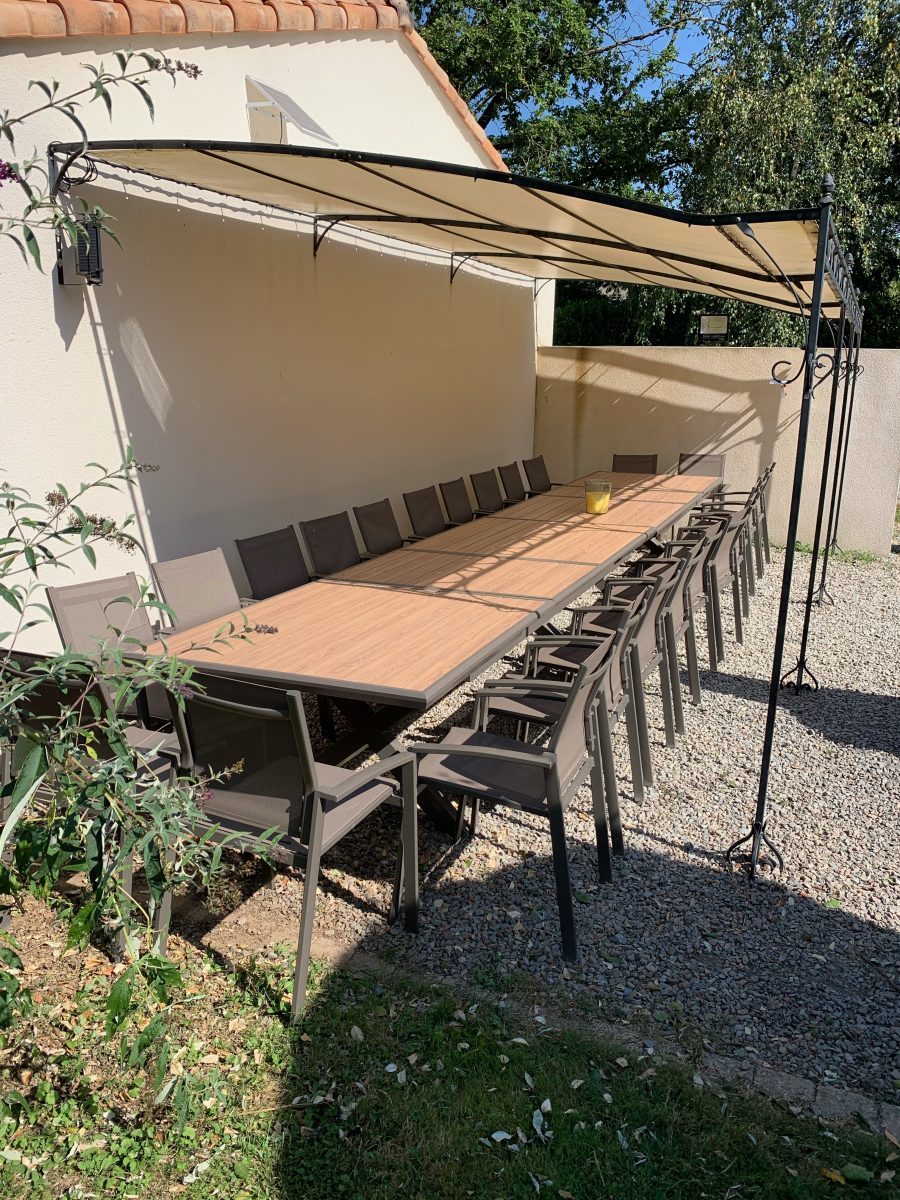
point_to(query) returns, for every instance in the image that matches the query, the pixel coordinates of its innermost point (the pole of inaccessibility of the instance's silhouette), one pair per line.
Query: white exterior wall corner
(268, 385)
(593, 401)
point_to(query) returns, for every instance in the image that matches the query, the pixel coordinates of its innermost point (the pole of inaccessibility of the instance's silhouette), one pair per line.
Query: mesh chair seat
(637, 464)
(701, 464)
(511, 478)
(515, 784)
(425, 513)
(378, 526)
(331, 543)
(258, 802)
(273, 562)
(198, 588)
(488, 496)
(456, 502)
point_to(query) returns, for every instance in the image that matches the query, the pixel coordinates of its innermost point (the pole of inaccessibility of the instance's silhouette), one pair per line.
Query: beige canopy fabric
(528, 226)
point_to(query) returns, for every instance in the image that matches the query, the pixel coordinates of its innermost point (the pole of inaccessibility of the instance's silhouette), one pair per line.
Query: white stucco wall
(268, 385)
(594, 401)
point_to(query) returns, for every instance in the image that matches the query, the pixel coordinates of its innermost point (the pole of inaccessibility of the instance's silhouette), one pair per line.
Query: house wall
(267, 384)
(591, 401)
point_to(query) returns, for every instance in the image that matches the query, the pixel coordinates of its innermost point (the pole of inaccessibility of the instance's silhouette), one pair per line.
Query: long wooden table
(405, 629)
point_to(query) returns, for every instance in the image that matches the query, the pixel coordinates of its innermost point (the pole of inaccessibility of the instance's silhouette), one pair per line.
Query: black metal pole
(757, 835)
(832, 508)
(837, 359)
(856, 372)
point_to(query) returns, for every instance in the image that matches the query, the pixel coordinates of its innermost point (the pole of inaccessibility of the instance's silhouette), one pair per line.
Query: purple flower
(8, 173)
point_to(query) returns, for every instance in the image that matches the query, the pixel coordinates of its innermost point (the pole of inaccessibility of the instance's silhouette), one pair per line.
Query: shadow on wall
(272, 386)
(669, 427)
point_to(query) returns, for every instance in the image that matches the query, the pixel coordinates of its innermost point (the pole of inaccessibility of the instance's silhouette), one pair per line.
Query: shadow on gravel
(865, 720)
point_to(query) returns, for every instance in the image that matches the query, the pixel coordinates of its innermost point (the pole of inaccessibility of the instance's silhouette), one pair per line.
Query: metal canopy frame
(744, 267)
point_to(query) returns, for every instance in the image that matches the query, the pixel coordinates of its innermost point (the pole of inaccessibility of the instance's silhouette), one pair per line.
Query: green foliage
(773, 96)
(39, 205)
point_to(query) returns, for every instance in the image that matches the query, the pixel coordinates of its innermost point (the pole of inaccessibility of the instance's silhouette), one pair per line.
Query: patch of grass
(847, 556)
(388, 1090)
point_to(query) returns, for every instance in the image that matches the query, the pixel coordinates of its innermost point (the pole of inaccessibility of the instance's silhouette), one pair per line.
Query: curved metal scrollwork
(823, 367)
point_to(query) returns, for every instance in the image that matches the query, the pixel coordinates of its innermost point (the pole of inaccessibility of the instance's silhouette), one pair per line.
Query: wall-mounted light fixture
(713, 328)
(88, 256)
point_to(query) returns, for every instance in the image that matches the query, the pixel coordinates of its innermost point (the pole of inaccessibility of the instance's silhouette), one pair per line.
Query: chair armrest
(510, 684)
(498, 753)
(365, 775)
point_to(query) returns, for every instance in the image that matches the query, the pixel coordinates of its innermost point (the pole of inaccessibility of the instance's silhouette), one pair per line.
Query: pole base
(824, 596)
(799, 684)
(755, 859)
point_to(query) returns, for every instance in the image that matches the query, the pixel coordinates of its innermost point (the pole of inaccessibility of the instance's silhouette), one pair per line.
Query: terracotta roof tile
(120, 18)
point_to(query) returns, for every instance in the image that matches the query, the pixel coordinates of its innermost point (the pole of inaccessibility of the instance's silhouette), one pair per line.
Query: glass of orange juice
(597, 494)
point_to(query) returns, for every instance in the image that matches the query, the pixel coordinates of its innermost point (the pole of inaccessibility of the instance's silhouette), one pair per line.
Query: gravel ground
(801, 973)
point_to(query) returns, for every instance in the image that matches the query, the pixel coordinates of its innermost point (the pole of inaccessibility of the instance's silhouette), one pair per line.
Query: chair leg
(757, 547)
(162, 917)
(640, 712)
(326, 718)
(563, 881)
(767, 550)
(747, 587)
(126, 883)
(634, 749)
(665, 694)
(409, 842)
(674, 673)
(610, 783)
(738, 614)
(717, 616)
(712, 642)
(308, 912)
(690, 646)
(601, 826)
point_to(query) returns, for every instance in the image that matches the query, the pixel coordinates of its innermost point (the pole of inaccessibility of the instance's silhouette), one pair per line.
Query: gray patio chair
(488, 497)
(198, 588)
(549, 655)
(457, 502)
(331, 543)
(539, 702)
(511, 478)
(692, 546)
(281, 787)
(726, 568)
(425, 513)
(101, 611)
(701, 464)
(542, 780)
(378, 526)
(758, 497)
(537, 475)
(273, 562)
(638, 464)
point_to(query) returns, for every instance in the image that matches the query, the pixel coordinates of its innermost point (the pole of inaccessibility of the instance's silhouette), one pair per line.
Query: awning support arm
(320, 230)
(757, 837)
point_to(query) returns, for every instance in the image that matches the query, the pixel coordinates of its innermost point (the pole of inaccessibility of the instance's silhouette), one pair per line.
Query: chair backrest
(701, 464)
(425, 513)
(511, 478)
(692, 545)
(197, 588)
(637, 464)
(536, 473)
(331, 543)
(488, 497)
(659, 578)
(101, 610)
(456, 501)
(571, 737)
(378, 526)
(273, 562)
(223, 724)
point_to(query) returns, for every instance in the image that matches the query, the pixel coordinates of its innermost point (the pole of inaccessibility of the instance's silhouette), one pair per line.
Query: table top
(408, 627)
